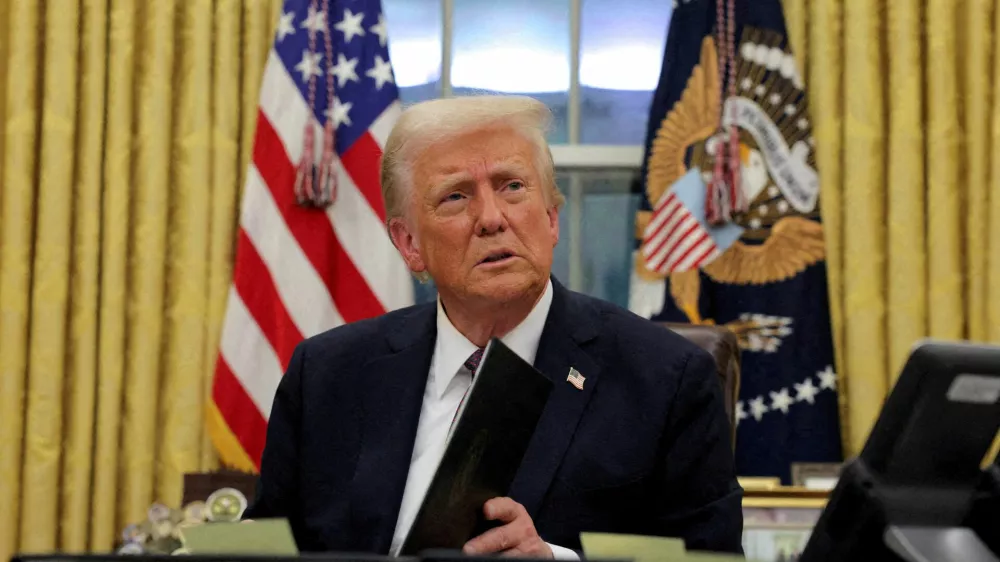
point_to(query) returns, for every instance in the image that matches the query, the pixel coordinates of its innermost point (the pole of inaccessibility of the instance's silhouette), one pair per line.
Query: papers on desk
(639, 548)
(262, 537)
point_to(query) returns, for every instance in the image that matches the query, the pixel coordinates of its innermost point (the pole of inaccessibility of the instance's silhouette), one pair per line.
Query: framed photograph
(778, 520)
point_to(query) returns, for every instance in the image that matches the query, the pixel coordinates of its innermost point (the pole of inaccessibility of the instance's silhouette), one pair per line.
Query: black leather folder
(487, 442)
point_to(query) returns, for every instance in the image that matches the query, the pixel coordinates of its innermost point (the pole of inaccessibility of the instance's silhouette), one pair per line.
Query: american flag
(678, 237)
(303, 269)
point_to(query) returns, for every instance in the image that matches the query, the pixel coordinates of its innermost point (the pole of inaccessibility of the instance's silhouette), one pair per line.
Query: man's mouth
(496, 257)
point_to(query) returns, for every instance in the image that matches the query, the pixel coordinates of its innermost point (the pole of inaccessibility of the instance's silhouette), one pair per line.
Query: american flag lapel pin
(575, 378)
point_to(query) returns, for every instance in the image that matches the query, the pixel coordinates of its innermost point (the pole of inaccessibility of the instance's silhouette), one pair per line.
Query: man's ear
(553, 212)
(407, 244)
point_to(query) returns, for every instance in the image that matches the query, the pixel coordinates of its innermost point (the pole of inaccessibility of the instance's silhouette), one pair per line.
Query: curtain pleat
(992, 232)
(21, 124)
(115, 225)
(182, 389)
(78, 458)
(906, 287)
(50, 280)
(863, 202)
(152, 193)
(225, 177)
(946, 309)
(976, 43)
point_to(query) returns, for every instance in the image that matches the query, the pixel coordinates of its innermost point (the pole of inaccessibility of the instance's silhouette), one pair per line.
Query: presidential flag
(729, 232)
(312, 252)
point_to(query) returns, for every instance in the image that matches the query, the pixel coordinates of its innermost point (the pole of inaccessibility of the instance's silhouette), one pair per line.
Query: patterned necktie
(472, 363)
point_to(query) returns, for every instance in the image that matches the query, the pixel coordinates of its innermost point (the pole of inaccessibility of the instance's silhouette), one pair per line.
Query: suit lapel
(567, 331)
(394, 387)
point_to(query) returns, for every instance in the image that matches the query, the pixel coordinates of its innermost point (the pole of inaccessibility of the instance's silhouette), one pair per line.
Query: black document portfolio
(489, 438)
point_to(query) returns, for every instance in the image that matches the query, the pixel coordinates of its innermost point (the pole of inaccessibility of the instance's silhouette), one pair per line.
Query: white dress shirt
(447, 383)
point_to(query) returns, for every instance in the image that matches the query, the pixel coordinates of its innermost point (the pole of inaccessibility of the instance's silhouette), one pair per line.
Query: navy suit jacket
(644, 448)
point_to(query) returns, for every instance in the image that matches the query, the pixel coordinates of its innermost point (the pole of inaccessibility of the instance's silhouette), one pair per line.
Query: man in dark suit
(360, 418)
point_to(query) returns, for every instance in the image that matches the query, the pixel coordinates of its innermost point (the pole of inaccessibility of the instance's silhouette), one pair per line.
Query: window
(594, 63)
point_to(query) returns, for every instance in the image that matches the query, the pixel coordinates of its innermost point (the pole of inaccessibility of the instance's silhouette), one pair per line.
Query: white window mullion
(593, 156)
(447, 36)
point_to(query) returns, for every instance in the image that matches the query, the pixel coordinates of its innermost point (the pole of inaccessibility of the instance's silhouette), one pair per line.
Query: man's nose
(491, 218)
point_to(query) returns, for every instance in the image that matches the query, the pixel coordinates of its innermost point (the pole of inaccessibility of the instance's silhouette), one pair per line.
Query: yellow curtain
(127, 127)
(907, 119)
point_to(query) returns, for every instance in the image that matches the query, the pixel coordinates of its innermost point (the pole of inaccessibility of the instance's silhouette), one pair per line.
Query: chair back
(722, 344)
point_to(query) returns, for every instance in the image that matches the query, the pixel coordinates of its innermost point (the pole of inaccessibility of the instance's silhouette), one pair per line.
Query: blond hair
(425, 123)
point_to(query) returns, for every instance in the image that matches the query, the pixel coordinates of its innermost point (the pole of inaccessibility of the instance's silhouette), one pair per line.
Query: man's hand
(517, 537)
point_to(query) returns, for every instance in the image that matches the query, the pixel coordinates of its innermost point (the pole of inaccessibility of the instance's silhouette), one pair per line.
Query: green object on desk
(645, 549)
(263, 536)
(632, 547)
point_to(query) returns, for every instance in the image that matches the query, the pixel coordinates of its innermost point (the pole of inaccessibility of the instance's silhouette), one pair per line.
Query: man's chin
(504, 285)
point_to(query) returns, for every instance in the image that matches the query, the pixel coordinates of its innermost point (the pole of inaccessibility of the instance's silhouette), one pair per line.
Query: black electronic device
(910, 494)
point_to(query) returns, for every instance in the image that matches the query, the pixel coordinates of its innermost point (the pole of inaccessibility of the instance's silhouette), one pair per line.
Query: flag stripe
(697, 248)
(249, 355)
(661, 215)
(670, 238)
(303, 293)
(660, 218)
(370, 247)
(669, 243)
(684, 241)
(656, 241)
(236, 407)
(357, 161)
(313, 232)
(257, 290)
(382, 126)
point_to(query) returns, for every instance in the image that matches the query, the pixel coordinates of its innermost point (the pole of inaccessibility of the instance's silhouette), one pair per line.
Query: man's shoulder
(364, 334)
(638, 337)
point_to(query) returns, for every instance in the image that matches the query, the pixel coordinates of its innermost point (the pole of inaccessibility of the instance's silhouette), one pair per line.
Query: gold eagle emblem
(781, 235)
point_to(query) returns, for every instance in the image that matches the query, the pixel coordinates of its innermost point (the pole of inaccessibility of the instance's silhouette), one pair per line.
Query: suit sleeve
(701, 498)
(277, 487)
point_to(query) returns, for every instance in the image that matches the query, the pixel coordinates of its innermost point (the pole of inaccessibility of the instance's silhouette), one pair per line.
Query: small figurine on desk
(160, 533)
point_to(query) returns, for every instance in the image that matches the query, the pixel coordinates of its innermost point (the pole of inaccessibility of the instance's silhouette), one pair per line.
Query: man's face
(479, 218)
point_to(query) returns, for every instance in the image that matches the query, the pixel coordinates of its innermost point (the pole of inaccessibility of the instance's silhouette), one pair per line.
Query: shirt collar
(452, 348)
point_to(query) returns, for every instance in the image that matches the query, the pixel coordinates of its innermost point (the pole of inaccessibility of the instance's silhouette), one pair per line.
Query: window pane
(621, 49)
(514, 46)
(415, 47)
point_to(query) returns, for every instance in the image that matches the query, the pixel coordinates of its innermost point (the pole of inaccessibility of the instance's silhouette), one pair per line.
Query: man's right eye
(456, 196)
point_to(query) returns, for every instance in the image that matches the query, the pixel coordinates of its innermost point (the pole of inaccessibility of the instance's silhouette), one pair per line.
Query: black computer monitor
(919, 472)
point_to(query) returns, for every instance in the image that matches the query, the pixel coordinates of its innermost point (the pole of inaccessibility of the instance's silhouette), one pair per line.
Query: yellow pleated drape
(127, 128)
(907, 126)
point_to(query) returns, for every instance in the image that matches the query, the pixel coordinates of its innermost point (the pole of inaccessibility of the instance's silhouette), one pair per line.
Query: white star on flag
(827, 378)
(350, 25)
(315, 21)
(806, 392)
(309, 65)
(381, 72)
(741, 413)
(344, 70)
(339, 113)
(380, 30)
(781, 400)
(285, 26)
(757, 408)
